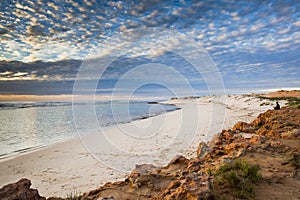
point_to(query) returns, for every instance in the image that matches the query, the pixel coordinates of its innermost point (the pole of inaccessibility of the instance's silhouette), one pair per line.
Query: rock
(143, 169)
(198, 188)
(256, 140)
(227, 135)
(216, 140)
(243, 127)
(268, 133)
(19, 190)
(202, 150)
(179, 159)
(194, 165)
(291, 134)
(107, 198)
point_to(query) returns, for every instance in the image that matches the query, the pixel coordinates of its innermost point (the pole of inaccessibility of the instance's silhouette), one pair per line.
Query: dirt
(283, 93)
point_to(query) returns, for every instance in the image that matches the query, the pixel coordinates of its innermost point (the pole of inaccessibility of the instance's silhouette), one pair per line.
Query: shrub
(239, 175)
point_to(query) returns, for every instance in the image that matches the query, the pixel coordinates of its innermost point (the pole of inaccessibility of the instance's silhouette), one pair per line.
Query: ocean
(25, 126)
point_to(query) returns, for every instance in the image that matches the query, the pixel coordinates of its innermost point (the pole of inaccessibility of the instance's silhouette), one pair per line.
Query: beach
(88, 161)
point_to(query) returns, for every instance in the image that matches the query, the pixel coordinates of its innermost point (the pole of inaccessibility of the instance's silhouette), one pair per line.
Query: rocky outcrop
(20, 190)
(284, 123)
(178, 180)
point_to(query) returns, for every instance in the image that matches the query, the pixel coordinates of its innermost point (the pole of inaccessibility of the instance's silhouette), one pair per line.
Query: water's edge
(29, 149)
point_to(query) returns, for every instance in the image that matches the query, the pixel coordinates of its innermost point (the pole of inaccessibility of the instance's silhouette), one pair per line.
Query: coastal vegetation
(238, 175)
(291, 101)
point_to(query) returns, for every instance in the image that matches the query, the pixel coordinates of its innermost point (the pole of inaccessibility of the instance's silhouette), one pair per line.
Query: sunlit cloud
(243, 38)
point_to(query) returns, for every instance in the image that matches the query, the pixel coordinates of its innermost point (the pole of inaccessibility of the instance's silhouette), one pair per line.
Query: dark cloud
(3, 31)
(36, 87)
(63, 70)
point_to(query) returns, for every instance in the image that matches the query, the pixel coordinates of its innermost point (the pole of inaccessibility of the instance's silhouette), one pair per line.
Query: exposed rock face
(284, 123)
(177, 180)
(203, 150)
(20, 190)
(272, 141)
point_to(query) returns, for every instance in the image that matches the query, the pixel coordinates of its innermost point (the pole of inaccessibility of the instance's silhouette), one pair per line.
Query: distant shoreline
(70, 97)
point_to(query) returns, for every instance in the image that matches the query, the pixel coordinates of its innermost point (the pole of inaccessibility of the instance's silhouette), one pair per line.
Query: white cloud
(235, 16)
(297, 23)
(5, 73)
(257, 27)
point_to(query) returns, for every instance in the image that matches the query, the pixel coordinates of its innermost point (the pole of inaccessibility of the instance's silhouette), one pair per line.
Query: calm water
(26, 126)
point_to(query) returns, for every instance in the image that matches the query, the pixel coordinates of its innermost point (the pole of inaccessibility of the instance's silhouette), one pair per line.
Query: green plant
(257, 127)
(240, 176)
(209, 171)
(264, 104)
(74, 196)
(292, 101)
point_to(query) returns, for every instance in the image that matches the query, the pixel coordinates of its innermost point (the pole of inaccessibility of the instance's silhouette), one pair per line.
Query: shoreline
(63, 168)
(28, 149)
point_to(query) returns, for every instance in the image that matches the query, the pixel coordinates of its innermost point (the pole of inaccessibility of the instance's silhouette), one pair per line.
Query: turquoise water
(27, 126)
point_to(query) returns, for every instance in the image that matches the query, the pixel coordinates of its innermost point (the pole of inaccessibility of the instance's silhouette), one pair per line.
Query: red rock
(20, 190)
(179, 159)
(216, 140)
(202, 150)
(243, 127)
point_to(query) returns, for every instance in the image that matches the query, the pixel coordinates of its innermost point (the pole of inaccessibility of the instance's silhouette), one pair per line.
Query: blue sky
(254, 44)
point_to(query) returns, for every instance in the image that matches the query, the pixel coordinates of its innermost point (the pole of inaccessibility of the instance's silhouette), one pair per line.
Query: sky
(160, 47)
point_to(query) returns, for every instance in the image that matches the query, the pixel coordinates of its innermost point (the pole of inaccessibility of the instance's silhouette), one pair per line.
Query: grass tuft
(239, 176)
(74, 196)
(209, 172)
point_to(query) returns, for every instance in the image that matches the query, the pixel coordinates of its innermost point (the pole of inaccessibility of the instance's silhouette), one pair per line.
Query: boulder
(202, 150)
(20, 190)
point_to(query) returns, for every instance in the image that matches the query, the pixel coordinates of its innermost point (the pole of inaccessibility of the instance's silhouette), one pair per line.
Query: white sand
(83, 164)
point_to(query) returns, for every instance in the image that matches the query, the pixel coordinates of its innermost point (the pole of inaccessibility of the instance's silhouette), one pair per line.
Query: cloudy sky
(44, 44)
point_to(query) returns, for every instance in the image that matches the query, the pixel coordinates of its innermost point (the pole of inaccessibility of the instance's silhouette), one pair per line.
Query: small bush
(240, 176)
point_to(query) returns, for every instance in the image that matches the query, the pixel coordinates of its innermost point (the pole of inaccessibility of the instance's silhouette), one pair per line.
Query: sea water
(30, 125)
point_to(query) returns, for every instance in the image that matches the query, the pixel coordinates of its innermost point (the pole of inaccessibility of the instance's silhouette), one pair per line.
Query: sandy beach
(86, 162)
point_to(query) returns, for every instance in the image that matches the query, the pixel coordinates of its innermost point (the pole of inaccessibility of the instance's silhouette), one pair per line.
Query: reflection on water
(23, 129)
